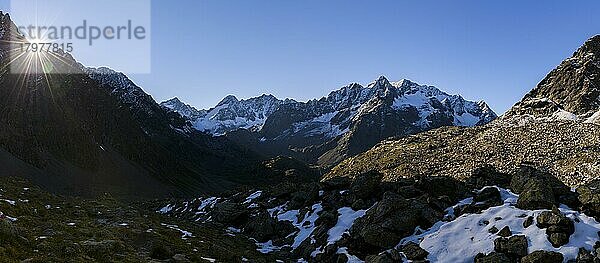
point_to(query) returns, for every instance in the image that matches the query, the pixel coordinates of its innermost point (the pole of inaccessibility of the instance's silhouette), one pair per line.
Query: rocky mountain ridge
(346, 122)
(569, 92)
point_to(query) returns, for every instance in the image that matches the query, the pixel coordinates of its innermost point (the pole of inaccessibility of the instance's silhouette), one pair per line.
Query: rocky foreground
(526, 216)
(36, 226)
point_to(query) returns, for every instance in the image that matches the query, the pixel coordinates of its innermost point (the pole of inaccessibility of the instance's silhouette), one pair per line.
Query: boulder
(437, 186)
(589, 196)
(528, 222)
(180, 258)
(493, 230)
(306, 196)
(541, 256)
(487, 176)
(367, 185)
(381, 258)
(484, 199)
(526, 172)
(493, 257)
(536, 194)
(229, 213)
(391, 219)
(513, 247)
(8, 231)
(263, 227)
(505, 232)
(558, 227)
(535, 188)
(413, 251)
(102, 249)
(584, 256)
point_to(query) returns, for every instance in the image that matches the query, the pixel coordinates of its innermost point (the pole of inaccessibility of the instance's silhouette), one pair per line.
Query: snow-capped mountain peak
(185, 110)
(334, 115)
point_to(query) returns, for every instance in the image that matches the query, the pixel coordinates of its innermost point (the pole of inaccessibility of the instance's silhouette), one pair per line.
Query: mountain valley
(94, 170)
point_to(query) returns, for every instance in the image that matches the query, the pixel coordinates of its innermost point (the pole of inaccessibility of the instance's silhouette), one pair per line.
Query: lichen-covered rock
(263, 227)
(584, 256)
(536, 194)
(8, 231)
(437, 186)
(102, 249)
(229, 212)
(505, 232)
(366, 185)
(486, 198)
(391, 219)
(493, 257)
(541, 256)
(514, 247)
(558, 227)
(589, 196)
(413, 251)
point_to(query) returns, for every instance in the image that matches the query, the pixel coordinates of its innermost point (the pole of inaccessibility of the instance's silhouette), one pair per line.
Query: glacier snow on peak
(332, 116)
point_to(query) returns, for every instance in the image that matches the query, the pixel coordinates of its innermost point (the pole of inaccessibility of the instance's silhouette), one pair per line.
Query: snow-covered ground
(462, 239)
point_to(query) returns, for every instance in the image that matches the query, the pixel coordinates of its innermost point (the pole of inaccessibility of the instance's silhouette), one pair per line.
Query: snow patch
(346, 219)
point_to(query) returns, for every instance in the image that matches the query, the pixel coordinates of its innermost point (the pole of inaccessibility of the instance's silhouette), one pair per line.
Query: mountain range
(346, 122)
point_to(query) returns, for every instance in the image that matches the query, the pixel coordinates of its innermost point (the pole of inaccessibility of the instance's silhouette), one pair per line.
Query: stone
(229, 213)
(8, 232)
(514, 247)
(493, 257)
(543, 257)
(584, 256)
(263, 227)
(558, 239)
(367, 185)
(101, 249)
(380, 258)
(180, 258)
(528, 222)
(487, 175)
(536, 194)
(391, 219)
(558, 227)
(413, 251)
(589, 196)
(505, 232)
(437, 186)
(486, 198)
(493, 230)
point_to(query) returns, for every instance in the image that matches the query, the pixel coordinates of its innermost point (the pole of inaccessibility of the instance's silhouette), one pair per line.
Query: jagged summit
(571, 89)
(591, 45)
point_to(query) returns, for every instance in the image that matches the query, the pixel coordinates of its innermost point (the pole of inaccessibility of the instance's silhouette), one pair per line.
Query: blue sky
(203, 50)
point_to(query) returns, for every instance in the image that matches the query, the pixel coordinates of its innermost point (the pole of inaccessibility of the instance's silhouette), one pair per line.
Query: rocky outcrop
(572, 86)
